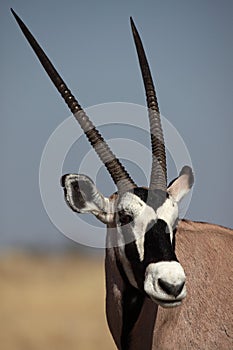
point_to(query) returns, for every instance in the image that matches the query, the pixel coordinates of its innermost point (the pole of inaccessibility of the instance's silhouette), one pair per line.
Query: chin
(166, 304)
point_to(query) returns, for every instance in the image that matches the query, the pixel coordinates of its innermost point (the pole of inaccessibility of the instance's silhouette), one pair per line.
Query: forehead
(149, 236)
(136, 200)
(131, 203)
(147, 207)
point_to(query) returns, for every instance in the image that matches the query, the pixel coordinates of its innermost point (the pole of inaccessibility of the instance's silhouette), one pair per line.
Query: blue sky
(189, 46)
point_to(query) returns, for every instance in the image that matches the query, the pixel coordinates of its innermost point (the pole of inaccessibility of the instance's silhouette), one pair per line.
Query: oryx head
(144, 219)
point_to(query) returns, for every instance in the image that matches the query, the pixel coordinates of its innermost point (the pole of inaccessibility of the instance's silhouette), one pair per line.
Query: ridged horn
(117, 171)
(158, 179)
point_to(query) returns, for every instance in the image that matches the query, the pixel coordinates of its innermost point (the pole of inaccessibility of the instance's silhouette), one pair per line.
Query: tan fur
(205, 318)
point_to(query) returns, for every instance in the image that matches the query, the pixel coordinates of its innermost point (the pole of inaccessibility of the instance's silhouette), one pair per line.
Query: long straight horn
(118, 173)
(158, 178)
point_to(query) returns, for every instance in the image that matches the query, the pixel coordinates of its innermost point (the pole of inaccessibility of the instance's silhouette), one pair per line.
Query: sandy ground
(52, 302)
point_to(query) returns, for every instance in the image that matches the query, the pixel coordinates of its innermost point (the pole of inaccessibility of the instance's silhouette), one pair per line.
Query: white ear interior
(82, 194)
(182, 185)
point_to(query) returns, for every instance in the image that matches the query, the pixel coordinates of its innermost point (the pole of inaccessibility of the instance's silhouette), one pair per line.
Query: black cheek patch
(131, 252)
(138, 268)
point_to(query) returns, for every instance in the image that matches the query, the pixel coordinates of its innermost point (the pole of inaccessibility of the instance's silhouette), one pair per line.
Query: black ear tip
(186, 170)
(63, 179)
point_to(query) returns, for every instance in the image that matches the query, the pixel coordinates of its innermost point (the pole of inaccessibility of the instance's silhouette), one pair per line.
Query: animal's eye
(124, 218)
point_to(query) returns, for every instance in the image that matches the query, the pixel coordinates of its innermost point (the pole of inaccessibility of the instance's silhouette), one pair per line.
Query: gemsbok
(146, 284)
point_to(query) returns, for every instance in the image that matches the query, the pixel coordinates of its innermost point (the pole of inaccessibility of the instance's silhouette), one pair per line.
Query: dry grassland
(54, 302)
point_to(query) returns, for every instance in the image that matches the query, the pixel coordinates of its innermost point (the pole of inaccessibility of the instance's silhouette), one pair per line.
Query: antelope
(153, 300)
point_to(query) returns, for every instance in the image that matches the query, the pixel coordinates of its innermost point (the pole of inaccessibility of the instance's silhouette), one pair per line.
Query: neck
(131, 315)
(141, 336)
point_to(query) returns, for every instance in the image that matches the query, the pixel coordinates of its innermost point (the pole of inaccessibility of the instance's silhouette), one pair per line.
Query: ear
(82, 196)
(179, 187)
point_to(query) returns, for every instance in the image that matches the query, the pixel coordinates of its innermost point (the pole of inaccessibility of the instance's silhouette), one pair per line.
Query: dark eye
(124, 218)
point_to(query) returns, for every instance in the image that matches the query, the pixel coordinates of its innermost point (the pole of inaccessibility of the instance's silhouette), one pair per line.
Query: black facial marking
(157, 244)
(137, 266)
(153, 198)
(156, 198)
(124, 218)
(141, 193)
(131, 252)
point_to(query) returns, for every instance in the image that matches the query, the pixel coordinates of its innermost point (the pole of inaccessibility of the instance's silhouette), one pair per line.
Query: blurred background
(51, 288)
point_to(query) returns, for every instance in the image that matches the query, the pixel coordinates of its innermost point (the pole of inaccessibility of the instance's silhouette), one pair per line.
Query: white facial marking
(146, 216)
(127, 267)
(142, 215)
(168, 212)
(131, 203)
(170, 272)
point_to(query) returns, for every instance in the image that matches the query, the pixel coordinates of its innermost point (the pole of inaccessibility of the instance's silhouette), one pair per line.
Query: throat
(132, 303)
(139, 315)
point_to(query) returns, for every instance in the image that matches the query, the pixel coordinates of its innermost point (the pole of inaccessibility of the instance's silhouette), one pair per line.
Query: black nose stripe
(157, 244)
